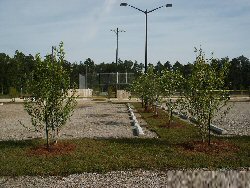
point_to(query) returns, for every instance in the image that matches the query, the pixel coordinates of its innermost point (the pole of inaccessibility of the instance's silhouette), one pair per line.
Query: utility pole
(117, 31)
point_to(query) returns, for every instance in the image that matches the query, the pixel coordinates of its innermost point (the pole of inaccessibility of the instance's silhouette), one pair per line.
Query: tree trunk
(209, 126)
(146, 105)
(47, 136)
(170, 114)
(47, 131)
(209, 129)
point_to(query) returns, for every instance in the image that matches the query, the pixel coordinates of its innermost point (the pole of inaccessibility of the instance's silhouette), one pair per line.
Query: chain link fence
(103, 83)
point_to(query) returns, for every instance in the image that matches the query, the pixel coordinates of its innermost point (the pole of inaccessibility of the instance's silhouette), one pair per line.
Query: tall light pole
(146, 14)
(117, 31)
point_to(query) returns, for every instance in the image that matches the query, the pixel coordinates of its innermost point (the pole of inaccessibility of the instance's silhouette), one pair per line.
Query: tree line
(15, 71)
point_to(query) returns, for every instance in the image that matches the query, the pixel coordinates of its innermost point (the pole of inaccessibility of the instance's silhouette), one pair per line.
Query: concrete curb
(136, 125)
(193, 120)
(217, 130)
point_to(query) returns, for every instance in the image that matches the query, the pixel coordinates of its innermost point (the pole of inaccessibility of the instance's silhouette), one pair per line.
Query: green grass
(174, 136)
(103, 155)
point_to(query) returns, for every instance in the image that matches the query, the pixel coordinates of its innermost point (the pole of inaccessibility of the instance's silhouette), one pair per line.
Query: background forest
(16, 70)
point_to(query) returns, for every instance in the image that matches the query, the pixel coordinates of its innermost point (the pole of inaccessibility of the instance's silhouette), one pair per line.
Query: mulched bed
(215, 147)
(54, 149)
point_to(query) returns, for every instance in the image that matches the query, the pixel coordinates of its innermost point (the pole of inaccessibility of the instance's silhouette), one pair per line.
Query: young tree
(205, 92)
(153, 91)
(147, 86)
(138, 87)
(170, 83)
(51, 104)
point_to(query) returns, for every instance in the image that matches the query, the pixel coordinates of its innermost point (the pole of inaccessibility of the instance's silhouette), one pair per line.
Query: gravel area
(93, 120)
(11, 129)
(237, 120)
(90, 119)
(153, 179)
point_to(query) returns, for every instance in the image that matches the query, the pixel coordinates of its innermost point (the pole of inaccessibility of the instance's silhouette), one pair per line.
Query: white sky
(33, 26)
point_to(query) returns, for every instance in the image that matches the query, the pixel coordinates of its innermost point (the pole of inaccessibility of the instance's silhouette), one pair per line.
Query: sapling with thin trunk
(50, 104)
(205, 92)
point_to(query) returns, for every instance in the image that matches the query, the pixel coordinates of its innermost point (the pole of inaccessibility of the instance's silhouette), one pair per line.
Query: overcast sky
(33, 26)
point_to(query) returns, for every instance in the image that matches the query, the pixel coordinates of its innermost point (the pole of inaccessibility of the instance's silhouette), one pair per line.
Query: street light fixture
(123, 4)
(146, 14)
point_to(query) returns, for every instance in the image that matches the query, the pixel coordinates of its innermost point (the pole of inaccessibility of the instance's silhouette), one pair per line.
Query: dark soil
(215, 147)
(53, 150)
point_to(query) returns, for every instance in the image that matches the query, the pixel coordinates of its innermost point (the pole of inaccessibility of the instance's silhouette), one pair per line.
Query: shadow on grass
(19, 143)
(239, 138)
(142, 142)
